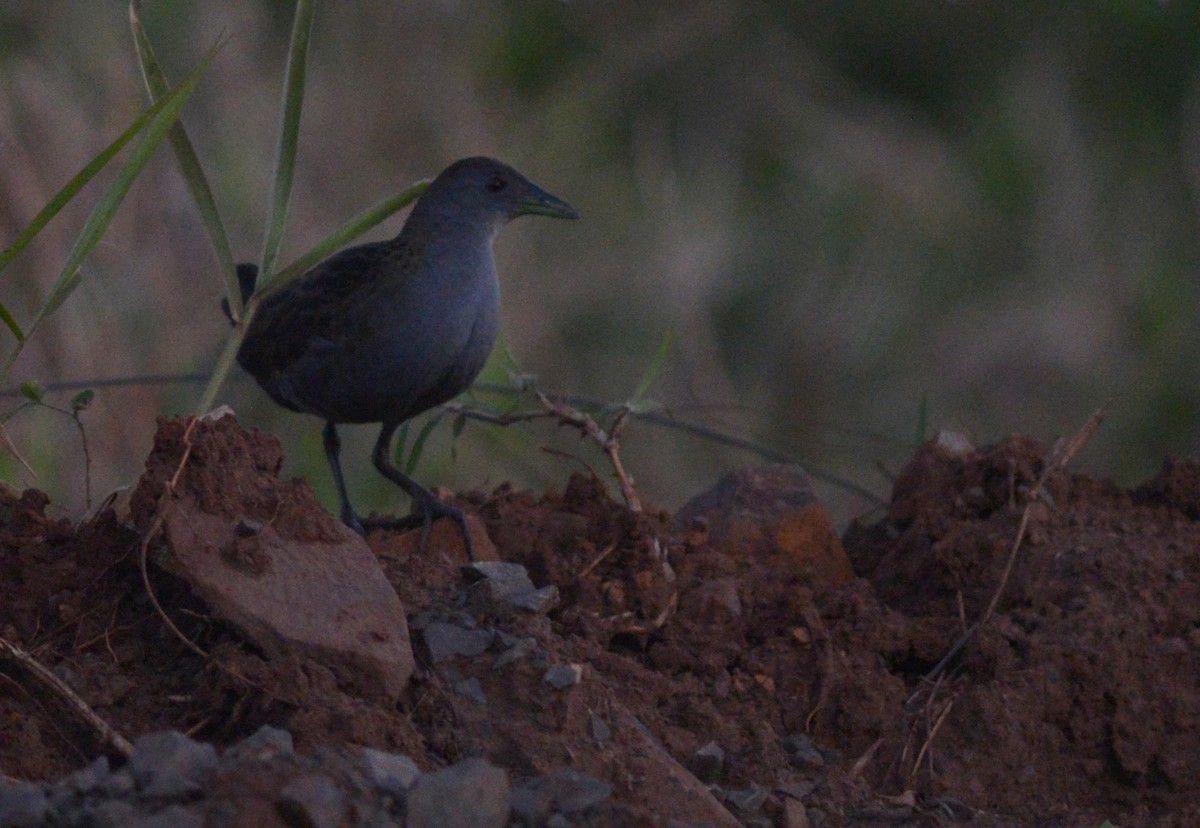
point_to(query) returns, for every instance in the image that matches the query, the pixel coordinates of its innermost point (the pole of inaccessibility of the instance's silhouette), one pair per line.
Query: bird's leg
(333, 447)
(425, 502)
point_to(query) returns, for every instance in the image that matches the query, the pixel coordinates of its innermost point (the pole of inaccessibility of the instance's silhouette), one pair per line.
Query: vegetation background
(864, 222)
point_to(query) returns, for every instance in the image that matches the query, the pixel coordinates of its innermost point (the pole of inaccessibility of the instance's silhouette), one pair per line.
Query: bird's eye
(495, 185)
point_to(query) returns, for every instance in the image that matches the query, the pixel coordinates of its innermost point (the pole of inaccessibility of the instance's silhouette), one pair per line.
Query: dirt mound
(731, 655)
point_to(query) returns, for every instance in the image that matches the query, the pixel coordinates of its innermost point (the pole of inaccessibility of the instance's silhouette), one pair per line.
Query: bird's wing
(309, 313)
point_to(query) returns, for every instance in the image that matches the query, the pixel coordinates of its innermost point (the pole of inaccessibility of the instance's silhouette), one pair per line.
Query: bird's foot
(425, 512)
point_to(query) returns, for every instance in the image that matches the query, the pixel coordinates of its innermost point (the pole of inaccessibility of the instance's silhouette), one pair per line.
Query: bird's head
(488, 192)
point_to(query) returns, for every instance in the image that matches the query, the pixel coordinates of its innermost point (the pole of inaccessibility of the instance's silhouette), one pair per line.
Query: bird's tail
(247, 275)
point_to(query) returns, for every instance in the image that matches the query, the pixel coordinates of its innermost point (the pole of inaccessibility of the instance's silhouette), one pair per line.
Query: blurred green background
(864, 221)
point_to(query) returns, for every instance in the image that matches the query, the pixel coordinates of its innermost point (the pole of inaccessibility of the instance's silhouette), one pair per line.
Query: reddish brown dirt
(1078, 701)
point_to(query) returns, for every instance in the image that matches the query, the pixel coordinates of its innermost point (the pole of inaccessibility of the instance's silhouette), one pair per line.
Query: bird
(381, 332)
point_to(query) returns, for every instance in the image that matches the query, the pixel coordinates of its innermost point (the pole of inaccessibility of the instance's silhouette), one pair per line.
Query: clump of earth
(734, 663)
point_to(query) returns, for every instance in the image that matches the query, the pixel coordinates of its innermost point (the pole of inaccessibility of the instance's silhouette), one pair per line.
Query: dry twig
(110, 736)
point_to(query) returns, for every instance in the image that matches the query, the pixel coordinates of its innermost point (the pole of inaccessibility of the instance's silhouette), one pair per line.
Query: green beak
(541, 203)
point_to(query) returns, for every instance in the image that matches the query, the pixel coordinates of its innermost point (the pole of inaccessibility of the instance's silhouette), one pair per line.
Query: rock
(562, 791)
(521, 648)
(393, 773)
(537, 601)
(168, 764)
(801, 752)
(471, 794)
(448, 640)
(746, 802)
(302, 585)
(264, 744)
(769, 512)
(707, 762)
(312, 801)
(22, 804)
(174, 816)
(497, 581)
(89, 778)
(113, 813)
(471, 688)
(562, 676)
(794, 814)
(601, 732)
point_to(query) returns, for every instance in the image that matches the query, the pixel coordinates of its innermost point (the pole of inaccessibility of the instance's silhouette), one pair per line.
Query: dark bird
(384, 331)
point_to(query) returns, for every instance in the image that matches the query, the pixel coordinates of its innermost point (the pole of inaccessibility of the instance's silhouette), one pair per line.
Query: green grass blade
(654, 368)
(9, 320)
(342, 236)
(72, 188)
(289, 130)
(221, 370)
(418, 447)
(102, 214)
(189, 162)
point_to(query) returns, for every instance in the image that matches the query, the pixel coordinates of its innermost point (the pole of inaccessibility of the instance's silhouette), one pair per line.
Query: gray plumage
(384, 331)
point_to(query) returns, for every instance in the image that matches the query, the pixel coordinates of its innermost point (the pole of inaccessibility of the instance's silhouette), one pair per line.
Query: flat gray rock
(449, 640)
(168, 764)
(436, 801)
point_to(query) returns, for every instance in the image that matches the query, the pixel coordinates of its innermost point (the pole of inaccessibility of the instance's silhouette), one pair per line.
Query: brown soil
(1078, 701)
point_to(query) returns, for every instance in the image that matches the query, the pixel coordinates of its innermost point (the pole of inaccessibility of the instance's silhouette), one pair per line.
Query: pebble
(520, 649)
(746, 802)
(168, 764)
(802, 753)
(497, 581)
(437, 800)
(564, 791)
(471, 688)
(537, 601)
(313, 801)
(174, 816)
(561, 676)
(392, 773)
(264, 744)
(22, 804)
(447, 641)
(707, 762)
(601, 732)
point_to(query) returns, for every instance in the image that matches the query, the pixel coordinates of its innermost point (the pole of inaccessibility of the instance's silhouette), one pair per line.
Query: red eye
(495, 185)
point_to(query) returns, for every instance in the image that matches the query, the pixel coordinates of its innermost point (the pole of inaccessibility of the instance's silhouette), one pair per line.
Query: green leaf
(418, 447)
(460, 422)
(655, 367)
(11, 322)
(102, 214)
(72, 187)
(189, 163)
(289, 131)
(82, 400)
(224, 364)
(342, 236)
(33, 391)
(401, 443)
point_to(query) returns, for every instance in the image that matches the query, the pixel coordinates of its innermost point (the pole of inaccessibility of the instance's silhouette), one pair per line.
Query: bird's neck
(437, 231)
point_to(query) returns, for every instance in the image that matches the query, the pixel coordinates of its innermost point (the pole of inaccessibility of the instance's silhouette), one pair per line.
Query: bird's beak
(541, 203)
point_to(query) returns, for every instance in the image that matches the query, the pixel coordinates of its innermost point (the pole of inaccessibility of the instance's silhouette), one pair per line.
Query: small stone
(174, 816)
(447, 641)
(471, 689)
(118, 784)
(797, 790)
(89, 778)
(601, 732)
(562, 676)
(520, 649)
(707, 762)
(312, 801)
(471, 794)
(537, 601)
(563, 791)
(801, 752)
(22, 804)
(168, 764)
(746, 802)
(392, 773)
(265, 743)
(112, 813)
(497, 581)
(794, 814)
